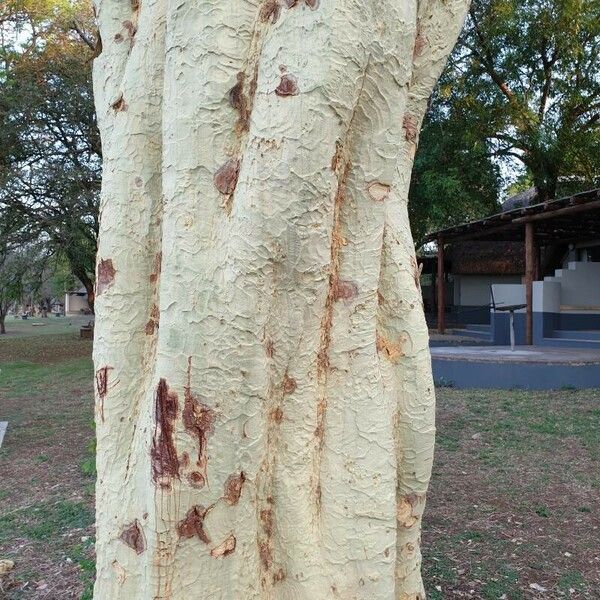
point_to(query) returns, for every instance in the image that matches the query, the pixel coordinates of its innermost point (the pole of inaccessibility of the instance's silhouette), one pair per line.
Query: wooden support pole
(529, 276)
(441, 286)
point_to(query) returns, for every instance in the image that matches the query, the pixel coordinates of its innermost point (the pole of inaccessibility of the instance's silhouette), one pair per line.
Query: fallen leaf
(537, 587)
(6, 566)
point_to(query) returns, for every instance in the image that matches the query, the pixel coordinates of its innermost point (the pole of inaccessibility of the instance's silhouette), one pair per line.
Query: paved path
(521, 354)
(3, 426)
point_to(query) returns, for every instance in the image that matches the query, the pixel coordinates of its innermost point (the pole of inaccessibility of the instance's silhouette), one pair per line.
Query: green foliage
(520, 96)
(453, 178)
(50, 154)
(524, 79)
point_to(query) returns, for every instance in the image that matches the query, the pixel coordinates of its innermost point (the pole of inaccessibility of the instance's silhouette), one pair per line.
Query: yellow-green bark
(265, 409)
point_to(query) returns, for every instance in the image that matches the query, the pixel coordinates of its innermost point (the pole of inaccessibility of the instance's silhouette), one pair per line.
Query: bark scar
(105, 275)
(193, 524)
(198, 420)
(225, 548)
(233, 488)
(133, 536)
(165, 464)
(102, 387)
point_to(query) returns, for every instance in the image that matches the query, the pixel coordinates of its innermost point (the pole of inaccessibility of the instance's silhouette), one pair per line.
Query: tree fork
(265, 418)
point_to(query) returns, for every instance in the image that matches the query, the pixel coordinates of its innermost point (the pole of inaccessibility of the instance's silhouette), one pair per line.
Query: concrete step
(472, 333)
(478, 326)
(573, 342)
(583, 334)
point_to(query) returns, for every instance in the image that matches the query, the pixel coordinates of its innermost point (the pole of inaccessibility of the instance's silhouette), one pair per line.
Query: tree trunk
(264, 399)
(89, 288)
(2, 324)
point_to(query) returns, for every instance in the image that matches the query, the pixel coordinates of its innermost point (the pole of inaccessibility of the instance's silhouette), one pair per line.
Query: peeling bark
(255, 253)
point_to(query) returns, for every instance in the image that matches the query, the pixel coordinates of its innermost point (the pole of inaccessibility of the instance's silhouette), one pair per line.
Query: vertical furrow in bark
(241, 98)
(341, 164)
(402, 331)
(358, 468)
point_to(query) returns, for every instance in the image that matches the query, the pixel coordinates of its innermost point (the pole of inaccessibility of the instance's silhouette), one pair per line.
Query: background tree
(50, 163)
(518, 105)
(14, 268)
(454, 178)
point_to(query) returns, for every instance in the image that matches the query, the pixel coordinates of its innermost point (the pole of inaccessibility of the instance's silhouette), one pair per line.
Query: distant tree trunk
(2, 324)
(88, 284)
(264, 398)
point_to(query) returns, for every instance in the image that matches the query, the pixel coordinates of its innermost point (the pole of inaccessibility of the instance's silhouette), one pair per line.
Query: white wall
(546, 296)
(579, 285)
(474, 290)
(74, 304)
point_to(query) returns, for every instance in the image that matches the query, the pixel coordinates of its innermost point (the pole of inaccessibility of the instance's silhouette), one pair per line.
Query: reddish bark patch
(133, 536)
(105, 275)
(226, 177)
(233, 488)
(420, 42)
(130, 28)
(118, 38)
(270, 10)
(156, 267)
(119, 105)
(290, 3)
(288, 86)
(344, 290)
(417, 268)
(266, 518)
(154, 312)
(405, 509)
(196, 479)
(265, 540)
(225, 548)
(337, 241)
(278, 576)
(270, 348)
(153, 323)
(239, 101)
(102, 387)
(312, 4)
(266, 554)
(165, 463)
(185, 459)
(277, 415)
(289, 384)
(198, 420)
(409, 124)
(337, 157)
(193, 524)
(380, 298)
(102, 381)
(393, 351)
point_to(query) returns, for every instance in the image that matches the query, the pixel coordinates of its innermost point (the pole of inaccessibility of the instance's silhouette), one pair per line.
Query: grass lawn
(514, 500)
